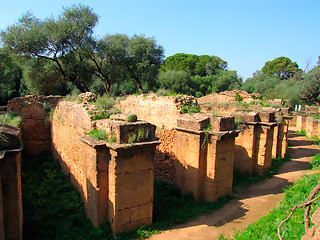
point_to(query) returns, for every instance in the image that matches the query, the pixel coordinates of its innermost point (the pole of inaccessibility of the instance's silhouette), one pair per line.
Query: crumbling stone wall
(115, 179)
(162, 111)
(35, 127)
(11, 216)
(164, 159)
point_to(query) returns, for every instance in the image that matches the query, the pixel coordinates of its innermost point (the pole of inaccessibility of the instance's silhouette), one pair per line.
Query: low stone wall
(11, 216)
(115, 179)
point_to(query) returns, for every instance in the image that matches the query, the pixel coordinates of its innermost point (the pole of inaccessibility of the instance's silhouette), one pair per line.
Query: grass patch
(11, 118)
(190, 109)
(302, 132)
(98, 134)
(266, 227)
(315, 163)
(244, 179)
(53, 208)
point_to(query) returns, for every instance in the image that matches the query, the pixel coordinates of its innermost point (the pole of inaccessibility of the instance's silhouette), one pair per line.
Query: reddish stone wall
(164, 159)
(35, 128)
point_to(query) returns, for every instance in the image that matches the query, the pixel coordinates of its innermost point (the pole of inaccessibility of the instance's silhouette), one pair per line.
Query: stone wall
(115, 179)
(160, 111)
(35, 127)
(164, 159)
(11, 216)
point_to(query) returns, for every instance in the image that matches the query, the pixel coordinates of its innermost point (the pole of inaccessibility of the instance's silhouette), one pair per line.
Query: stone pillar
(311, 127)
(11, 216)
(283, 136)
(190, 153)
(245, 143)
(205, 155)
(301, 122)
(131, 179)
(218, 175)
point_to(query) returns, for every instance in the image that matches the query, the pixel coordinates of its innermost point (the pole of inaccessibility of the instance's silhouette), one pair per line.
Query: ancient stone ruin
(11, 217)
(150, 139)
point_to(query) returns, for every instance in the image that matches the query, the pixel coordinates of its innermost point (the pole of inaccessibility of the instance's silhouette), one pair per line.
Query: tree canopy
(64, 50)
(282, 67)
(193, 64)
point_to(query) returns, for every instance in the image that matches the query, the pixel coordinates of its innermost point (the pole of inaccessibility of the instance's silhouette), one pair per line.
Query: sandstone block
(196, 121)
(222, 123)
(267, 116)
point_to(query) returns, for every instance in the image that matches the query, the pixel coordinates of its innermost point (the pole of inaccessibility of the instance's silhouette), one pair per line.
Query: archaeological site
(195, 143)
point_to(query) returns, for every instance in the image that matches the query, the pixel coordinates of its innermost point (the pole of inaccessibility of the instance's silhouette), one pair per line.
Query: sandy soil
(250, 203)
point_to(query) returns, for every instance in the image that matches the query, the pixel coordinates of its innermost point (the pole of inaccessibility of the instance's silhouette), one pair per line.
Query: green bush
(104, 102)
(10, 118)
(190, 109)
(98, 134)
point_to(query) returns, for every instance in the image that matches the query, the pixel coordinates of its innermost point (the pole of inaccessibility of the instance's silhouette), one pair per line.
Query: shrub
(190, 109)
(105, 102)
(98, 134)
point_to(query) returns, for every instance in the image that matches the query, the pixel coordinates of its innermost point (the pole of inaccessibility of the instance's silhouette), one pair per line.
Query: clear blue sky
(245, 33)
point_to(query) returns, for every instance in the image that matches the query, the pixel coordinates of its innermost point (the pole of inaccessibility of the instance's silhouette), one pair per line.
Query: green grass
(266, 227)
(243, 179)
(11, 118)
(53, 208)
(98, 134)
(315, 163)
(190, 109)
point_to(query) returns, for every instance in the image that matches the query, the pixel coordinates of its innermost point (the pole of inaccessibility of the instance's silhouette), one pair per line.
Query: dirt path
(250, 203)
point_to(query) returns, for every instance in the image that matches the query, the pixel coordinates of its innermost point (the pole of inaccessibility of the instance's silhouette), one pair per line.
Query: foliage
(11, 118)
(316, 162)
(238, 97)
(202, 65)
(310, 89)
(52, 207)
(104, 102)
(176, 81)
(143, 135)
(10, 76)
(59, 43)
(266, 227)
(190, 109)
(98, 134)
(132, 118)
(282, 67)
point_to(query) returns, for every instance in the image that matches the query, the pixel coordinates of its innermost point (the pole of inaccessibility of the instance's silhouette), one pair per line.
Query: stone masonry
(11, 216)
(205, 157)
(115, 179)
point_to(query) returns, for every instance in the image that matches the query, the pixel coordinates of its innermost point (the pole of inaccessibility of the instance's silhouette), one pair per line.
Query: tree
(64, 42)
(282, 67)
(10, 76)
(202, 65)
(143, 60)
(310, 89)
